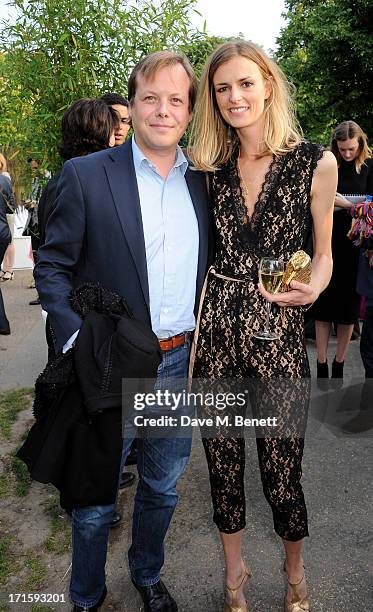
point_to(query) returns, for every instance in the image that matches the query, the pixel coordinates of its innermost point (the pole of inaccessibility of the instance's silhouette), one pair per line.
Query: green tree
(326, 50)
(199, 47)
(61, 50)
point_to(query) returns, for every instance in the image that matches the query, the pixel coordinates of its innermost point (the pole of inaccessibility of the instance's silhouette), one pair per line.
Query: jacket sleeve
(4, 227)
(58, 257)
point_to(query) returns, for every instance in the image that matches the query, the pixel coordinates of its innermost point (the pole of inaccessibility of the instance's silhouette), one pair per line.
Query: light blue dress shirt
(171, 243)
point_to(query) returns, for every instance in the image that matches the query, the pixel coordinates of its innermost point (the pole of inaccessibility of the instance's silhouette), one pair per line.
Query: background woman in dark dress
(5, 238)
(8, 259)
(339, 303)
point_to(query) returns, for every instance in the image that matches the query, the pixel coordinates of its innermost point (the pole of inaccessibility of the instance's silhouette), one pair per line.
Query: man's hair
(86, 127)
(114, 98)
(149, 66)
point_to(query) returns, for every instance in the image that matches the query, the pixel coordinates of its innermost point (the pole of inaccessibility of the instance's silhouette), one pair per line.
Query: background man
(5, 238)
(120, 105)
(141, 208)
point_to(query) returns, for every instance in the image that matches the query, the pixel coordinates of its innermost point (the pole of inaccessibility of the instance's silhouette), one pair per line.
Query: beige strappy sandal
(234, 607)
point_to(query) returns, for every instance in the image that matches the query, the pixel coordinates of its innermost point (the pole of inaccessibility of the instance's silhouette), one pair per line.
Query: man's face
(122, 131)
(160, 109)
(34, 164)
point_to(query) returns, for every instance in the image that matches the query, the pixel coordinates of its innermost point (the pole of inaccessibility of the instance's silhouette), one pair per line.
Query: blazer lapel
(121, 175)
(198, 192)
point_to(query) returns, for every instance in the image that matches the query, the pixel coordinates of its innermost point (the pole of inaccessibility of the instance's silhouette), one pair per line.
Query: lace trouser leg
(280, 462)
(226, 464)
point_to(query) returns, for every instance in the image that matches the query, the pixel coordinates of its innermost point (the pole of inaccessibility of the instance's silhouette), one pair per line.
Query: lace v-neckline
(270, 179)
(286, 184)
(250, 218)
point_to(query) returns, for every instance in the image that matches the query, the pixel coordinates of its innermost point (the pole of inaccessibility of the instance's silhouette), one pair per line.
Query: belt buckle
(172, 343)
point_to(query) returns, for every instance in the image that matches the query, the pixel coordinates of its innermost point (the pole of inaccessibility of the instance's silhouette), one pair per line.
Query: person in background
(4, 167)
(32, 228)
(8, 260)
(120, 105)
(339, 303)
(5, 238)
(363, 420)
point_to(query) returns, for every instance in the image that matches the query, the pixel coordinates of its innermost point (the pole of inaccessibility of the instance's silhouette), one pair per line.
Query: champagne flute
(271, 271)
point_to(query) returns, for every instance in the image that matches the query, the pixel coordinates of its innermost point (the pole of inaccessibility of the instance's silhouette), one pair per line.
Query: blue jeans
(160, 462)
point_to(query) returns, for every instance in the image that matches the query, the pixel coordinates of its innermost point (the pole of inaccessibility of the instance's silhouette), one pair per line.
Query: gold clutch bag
(298, 268)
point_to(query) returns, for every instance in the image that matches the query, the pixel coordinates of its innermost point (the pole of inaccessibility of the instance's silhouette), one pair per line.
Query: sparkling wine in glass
(271, 271)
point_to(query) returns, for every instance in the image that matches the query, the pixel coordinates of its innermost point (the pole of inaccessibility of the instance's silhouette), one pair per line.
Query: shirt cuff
(70, 343)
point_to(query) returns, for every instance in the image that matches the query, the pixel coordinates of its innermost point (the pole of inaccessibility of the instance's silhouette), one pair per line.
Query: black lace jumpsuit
(232, 310)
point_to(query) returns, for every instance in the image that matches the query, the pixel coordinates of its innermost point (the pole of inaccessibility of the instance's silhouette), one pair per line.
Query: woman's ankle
(234, 573)
(294, 569)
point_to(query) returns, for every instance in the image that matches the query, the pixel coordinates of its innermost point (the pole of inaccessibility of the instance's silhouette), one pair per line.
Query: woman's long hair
(345, 131)
(212, 139)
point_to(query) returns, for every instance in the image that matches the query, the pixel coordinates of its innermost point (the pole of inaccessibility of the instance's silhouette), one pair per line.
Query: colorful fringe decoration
(362, 225)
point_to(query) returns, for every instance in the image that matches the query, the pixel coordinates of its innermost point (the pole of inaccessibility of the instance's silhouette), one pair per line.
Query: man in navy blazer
(134, 219)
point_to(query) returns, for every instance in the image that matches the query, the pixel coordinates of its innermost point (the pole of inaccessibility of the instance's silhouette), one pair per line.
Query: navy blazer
(6, 203)
(95, 234)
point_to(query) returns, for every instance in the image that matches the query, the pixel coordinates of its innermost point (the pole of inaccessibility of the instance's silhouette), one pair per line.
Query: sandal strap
(233, 590)
(295, 584)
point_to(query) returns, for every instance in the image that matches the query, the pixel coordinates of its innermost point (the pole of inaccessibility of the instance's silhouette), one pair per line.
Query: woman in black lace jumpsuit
(265, 201)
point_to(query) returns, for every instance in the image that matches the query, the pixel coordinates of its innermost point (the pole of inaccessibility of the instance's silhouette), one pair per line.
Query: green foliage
(59, 539)
(326, 50)
(60, 50)
(34, 568)
(15, 479)
(199, 47)
(11, 403)
(22, 476)
(36, 571)
(8, 560)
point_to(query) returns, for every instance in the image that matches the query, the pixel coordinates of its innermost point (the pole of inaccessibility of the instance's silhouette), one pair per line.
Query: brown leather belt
(170, 343)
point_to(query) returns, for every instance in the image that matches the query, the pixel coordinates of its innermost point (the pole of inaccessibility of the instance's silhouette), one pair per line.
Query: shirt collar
(140, 159)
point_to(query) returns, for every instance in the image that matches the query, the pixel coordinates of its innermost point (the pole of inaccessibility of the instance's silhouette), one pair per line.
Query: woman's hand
(341, 201)
(300, 295)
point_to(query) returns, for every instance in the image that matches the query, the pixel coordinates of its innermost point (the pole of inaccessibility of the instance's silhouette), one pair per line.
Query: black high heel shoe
(322, 369)
(337, 368)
